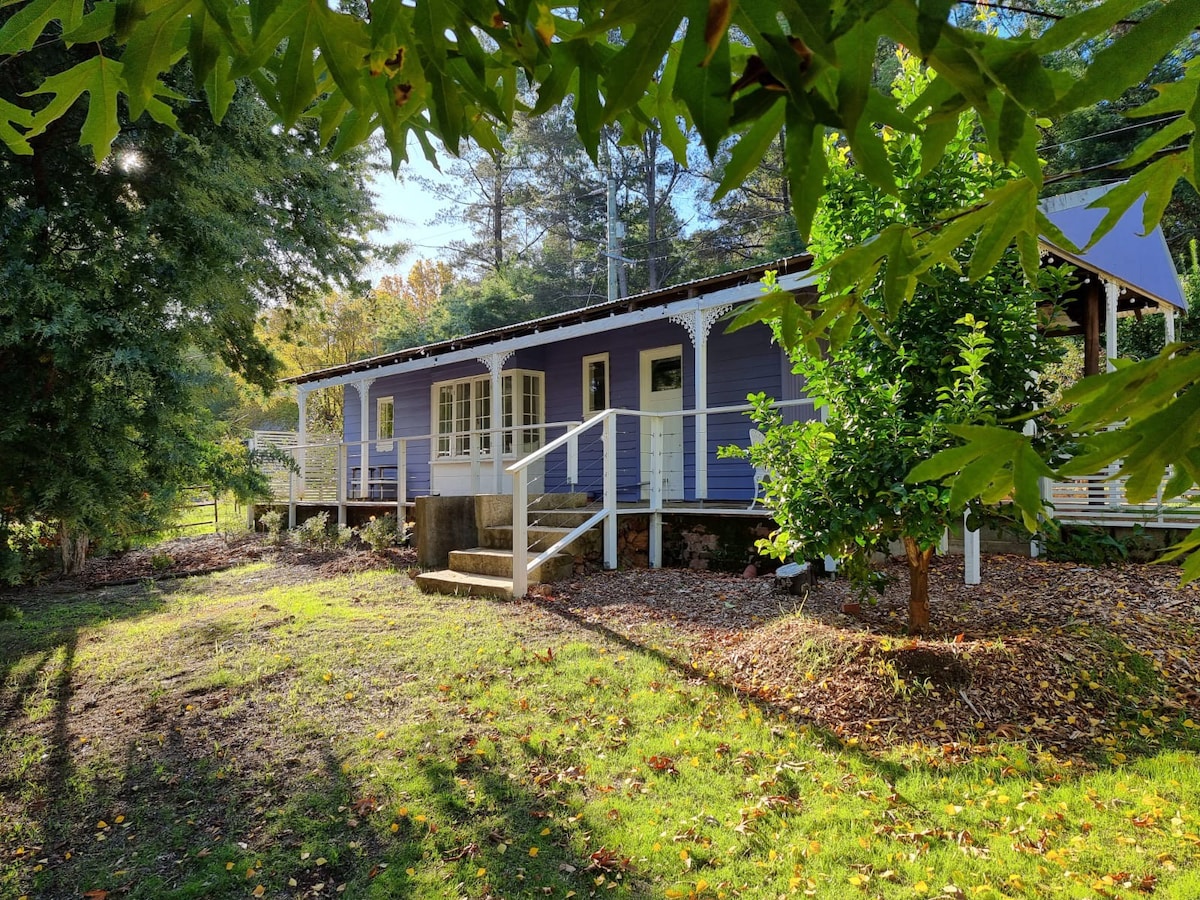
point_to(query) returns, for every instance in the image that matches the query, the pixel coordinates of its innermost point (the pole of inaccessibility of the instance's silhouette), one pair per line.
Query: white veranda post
(363, 387)
(698, 324)
(495, 366)
(1169, 325)
(364, 426)
(1111, 291)
(301, 442)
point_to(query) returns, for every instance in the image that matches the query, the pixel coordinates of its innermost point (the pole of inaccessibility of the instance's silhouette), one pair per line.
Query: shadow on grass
(1131, 691)
(886, 769)
(213, 791)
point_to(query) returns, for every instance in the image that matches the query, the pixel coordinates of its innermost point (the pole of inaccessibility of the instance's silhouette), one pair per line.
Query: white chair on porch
(760, 472)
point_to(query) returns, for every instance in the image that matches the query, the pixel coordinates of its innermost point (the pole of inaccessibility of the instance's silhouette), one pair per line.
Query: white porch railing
(332, 471)
(612, 446)
(1101, 500)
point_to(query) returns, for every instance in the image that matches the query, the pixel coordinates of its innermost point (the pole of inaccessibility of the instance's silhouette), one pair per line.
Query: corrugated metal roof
(661, 297)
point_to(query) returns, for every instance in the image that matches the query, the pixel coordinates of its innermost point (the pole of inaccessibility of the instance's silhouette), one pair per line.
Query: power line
(1103, 134)
(1036, 13)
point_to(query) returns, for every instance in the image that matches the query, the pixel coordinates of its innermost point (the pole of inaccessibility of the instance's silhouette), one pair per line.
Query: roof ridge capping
(1085, 197)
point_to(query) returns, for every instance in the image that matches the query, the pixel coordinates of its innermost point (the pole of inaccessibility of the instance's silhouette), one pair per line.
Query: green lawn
(263, 733)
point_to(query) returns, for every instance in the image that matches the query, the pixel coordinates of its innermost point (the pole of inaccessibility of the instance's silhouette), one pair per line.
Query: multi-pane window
(385, 419)
(463, 414)
(595, 384)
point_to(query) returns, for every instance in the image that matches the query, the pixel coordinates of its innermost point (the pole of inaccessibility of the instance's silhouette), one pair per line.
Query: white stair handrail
(522, 565)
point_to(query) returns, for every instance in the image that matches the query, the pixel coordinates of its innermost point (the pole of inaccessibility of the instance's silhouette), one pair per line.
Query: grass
(350, 737)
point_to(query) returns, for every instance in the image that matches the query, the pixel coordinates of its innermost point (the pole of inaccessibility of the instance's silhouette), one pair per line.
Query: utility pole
(616, 231)
(614, 247)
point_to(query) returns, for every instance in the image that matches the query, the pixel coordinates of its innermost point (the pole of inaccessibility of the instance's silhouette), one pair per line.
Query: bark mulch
(188, 556)
(1086, 663)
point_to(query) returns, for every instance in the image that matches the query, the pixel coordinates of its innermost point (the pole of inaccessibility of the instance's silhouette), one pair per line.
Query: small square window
(666, 374)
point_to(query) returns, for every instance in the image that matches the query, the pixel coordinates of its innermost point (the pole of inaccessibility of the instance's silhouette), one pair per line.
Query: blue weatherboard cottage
(555, 428)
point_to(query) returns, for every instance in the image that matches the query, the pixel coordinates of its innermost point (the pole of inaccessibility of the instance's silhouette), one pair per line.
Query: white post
(1029, 429)
(1035, 543)
(610, 491)
(301, 440)
(291, 499)
(700, 348)
(520, 558)
(1111, 290)
(401, 480)
(364, 406)
(495, 365)
(473, 439)
(1169, 325)
(364, 435)
(970, 554)
(343, 475)
(656, 491)
(573, 461)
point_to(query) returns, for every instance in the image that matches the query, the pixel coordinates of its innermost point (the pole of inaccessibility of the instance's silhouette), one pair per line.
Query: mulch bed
(1057, 655)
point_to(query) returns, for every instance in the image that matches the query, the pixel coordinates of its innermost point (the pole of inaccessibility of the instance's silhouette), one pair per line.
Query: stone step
(499, 537)
(465, 584)
(490, 561)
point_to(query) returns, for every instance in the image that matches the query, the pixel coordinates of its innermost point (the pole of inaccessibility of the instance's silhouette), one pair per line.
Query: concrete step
(465, 584)
(559, 518)
(496, 509)
(499, 537)
(487, 561)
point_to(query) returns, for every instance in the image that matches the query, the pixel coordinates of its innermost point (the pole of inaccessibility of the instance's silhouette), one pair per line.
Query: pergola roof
(1135, 259)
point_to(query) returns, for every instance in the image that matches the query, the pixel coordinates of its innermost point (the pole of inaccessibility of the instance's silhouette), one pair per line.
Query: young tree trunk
(918, 586)
(73, 545)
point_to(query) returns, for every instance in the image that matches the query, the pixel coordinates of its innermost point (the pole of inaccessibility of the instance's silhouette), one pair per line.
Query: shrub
(1086, 545)
(342, 535)
(314, 532)
(272, 521)
(382, 532)
(27, 550)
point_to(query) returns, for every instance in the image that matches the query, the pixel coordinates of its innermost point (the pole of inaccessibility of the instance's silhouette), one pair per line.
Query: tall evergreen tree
(110, 277)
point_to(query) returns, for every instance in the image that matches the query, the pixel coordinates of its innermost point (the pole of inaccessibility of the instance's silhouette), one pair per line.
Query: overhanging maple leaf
(11, 115)
(301, 27)
(101, 79)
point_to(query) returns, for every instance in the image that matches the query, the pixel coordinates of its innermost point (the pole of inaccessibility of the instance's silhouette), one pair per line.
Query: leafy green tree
(957, 353)
(113, 278)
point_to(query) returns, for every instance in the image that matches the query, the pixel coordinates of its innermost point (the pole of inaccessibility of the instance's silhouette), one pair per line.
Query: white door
(662, 391)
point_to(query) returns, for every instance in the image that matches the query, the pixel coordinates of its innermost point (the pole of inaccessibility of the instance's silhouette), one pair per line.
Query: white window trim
(384, 441)
(515, 376)
(587, 393)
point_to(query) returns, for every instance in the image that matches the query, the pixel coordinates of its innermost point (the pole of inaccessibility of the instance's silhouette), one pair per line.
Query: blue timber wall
(741, 363)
